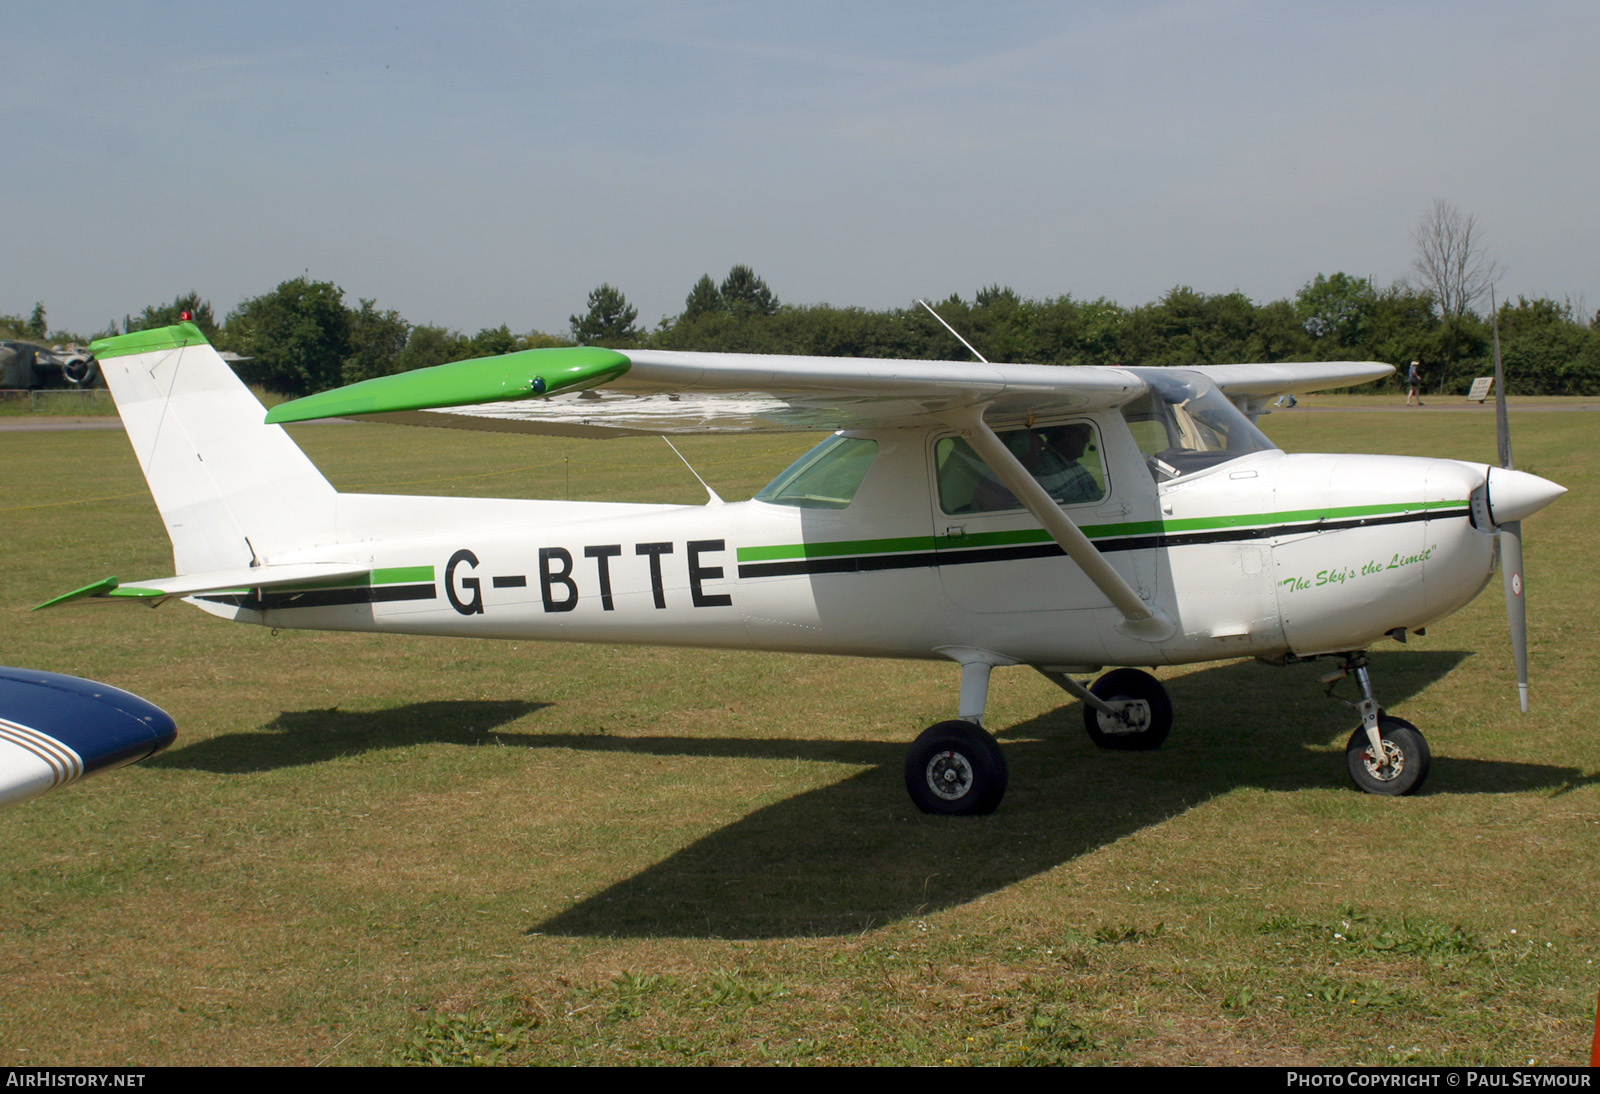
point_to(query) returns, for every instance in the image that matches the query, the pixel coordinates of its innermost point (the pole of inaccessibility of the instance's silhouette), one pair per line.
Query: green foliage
(538, 339)
(1116, 934)
(1334, 991)
(1400, 326)
(457, 1040)
(303, 339)
(377, 339)
(1337, 308)
(298, 336)
(609, 320)
(1546, 351)
(1052, 1038)
(1186, 327)
(430, 345)
(703, 299)
(1353, 929)
(37, 328)
(744, 294)
(492, 341)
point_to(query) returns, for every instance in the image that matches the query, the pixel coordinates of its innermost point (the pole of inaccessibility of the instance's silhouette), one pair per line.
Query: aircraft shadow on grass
(303, 737)
(857, 854)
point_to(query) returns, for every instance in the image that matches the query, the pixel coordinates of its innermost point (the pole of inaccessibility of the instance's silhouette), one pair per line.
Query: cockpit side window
(1064, 459)
(827, 477)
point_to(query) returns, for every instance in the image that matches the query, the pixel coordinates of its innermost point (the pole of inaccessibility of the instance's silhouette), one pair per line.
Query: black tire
(1130, 684)
(1409, 758)
(956, 769)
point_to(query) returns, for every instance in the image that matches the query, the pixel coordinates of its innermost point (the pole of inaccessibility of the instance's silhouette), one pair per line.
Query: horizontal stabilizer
(239, 579)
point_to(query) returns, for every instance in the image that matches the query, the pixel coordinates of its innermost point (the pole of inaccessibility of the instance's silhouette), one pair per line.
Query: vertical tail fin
(232, 490)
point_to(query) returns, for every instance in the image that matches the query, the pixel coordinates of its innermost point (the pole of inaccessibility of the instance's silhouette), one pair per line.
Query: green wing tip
(103, 587)
(528, 374)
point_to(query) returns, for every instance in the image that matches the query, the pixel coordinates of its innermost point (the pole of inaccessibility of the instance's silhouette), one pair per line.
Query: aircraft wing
(590, 392)
(584, 391)
(1290, 377)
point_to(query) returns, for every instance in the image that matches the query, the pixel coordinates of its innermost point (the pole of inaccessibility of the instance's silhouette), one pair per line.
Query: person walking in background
(1414, 383)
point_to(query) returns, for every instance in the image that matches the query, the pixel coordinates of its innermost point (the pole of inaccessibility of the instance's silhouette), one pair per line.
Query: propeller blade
(1516, 606)
(1511, 531)
(1502, 425)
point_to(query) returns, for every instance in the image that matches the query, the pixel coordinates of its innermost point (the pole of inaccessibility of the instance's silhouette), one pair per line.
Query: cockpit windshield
(1184, 424)
(827, 477)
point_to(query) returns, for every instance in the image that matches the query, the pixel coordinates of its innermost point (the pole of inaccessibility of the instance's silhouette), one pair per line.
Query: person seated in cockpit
(1050, 454)
(1052, 459)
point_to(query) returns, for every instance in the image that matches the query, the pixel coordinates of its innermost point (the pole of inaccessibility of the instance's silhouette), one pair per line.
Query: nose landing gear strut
(1385, 754)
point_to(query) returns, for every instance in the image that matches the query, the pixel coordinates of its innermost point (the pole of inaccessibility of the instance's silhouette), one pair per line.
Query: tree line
(304, 336)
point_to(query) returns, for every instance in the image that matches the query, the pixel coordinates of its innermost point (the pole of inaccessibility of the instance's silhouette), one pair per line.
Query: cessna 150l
(1061, 518)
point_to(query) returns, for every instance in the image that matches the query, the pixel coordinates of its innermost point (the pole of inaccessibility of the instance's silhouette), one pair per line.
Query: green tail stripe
(149, 341)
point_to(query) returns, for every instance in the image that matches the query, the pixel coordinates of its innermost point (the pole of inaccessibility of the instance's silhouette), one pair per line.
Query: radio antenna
(715, 498)
(952, 330)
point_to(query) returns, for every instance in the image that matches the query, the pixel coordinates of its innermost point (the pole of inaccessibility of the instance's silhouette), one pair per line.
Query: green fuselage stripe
(842, 547)
(393, 575)
(783, 552)
(397, 575)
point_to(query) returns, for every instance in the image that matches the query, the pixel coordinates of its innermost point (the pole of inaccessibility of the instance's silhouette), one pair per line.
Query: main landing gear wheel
(956, 769)
(1406, 751)
(1146, 716)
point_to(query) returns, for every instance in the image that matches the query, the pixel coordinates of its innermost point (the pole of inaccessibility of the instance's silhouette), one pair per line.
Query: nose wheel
(1385, 755)
(1405, 759)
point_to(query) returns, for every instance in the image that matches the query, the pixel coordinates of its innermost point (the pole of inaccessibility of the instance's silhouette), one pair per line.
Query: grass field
(379, 850)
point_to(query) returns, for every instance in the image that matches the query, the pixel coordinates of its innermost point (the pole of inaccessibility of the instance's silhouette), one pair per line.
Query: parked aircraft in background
(56, 729)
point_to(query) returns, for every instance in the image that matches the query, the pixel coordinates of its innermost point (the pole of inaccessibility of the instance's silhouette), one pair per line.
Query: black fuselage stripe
(258, 600)
(271, 600)
(955, 556)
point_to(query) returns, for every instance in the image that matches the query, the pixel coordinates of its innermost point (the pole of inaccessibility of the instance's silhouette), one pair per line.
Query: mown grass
(394, 850)
(91, 402)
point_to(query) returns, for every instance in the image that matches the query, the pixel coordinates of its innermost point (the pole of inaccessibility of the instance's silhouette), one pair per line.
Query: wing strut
(1140, 620)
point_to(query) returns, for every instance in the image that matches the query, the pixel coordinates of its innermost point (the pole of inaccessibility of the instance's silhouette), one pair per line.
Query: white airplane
(990, 515)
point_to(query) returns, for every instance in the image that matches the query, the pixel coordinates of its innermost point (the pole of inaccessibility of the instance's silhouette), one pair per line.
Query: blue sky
(490, 163)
